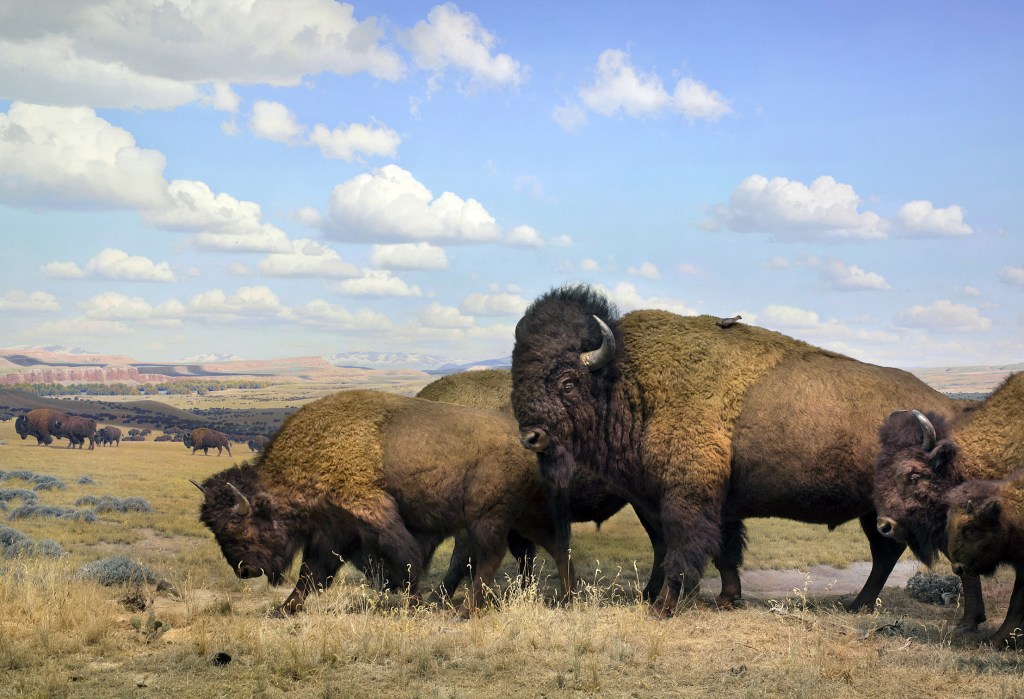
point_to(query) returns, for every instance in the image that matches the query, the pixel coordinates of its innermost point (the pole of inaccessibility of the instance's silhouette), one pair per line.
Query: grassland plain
(61, 635)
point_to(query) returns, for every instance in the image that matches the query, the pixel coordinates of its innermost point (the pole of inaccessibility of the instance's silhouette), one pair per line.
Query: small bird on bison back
(728, 322)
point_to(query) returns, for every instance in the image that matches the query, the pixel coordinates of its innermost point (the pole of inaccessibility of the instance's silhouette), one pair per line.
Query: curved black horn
(201, 488)
(243, 503)
(602, 356)
(927, 431)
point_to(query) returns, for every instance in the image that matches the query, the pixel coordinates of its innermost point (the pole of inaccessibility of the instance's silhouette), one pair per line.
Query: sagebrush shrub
(118, 570)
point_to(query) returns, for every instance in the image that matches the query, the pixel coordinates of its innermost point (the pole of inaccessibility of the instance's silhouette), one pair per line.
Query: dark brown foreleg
(320, 563)
(1007, 634)
(729, 560)
(692, 535)
(657, 579)
(884, 554)
(974, 603)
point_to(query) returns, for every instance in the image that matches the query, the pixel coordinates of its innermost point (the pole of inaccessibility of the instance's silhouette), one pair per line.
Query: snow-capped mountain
(210, 358)
(54, 349)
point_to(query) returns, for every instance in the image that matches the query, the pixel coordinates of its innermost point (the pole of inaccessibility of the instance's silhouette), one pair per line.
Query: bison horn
(927, 431)
(201, 488)
(243, 507)
(602, 356)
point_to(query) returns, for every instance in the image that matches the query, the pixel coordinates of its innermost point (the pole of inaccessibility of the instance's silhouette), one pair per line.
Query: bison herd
(697, 424)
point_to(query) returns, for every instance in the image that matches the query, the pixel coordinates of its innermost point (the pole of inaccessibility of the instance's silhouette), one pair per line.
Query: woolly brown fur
(77, 429)
(704, 427)
(985, 528)
(204, 438)
(385, 474)
(41, 423)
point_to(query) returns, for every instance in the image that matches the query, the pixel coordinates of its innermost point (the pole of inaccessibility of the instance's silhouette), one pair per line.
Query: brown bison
(923, 456)
(259, 442)
(374, 472)
(702, 426)
(108, 435)
(42, 423)
(77, 429)
(206, 439)
(986, 528)
(590, 498)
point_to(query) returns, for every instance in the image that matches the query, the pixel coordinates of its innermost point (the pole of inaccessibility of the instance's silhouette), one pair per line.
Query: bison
(259, 442)
(366, 471)
(77, 429)
(206, 439)
(108, 435)
(703, 426)
(985, 528)
(590, 498)
(42, 423)
(923, 456)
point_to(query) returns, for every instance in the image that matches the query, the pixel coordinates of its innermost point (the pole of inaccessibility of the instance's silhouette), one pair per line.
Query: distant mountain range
(422, 362)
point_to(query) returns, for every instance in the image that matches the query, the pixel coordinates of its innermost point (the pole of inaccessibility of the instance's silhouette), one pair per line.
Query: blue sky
(271, 178)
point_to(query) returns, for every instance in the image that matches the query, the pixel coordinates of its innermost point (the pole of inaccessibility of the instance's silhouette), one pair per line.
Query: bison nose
(886, 527)
(958, 570)
(534, 440)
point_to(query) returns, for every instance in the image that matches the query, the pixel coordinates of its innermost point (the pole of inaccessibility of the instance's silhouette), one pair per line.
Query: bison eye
(914, 478)
(568, 386)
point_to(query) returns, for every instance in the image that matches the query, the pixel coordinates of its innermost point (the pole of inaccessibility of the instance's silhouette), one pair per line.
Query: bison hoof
(659, 612)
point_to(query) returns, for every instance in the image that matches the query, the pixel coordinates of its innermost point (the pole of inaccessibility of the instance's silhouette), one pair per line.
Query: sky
(275, 178)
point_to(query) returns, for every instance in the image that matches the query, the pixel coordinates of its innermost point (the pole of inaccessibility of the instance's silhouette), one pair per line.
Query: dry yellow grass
(63, 636)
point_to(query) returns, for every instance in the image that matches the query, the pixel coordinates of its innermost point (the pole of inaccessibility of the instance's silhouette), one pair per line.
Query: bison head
(247, 524)
(562, 369)
(975, 529)
(915, 469)
(21, 426)
(186, 439)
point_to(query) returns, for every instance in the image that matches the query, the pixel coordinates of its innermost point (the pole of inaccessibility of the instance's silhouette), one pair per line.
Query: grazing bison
(77, 429)
(108, 435)
(923, 456)
(206, 439)
(703, 426)
(986, 528)
(590, 498)
(374, 472)
(42, 423)
(259, 442)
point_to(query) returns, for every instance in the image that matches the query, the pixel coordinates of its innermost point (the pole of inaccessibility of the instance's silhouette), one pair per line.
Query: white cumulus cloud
(645, 270)
(450, 39)
(274, 122)
(437, 315)
(839, 275)
(390, 205)
(500, 304)
(109, 53)
(944, 316)
(307, 258)
(113, 264)
(415, 256)
(29, 302)
(791, 210)
(921, 219)
(1014, 276)
(378, 283)
(628, 298)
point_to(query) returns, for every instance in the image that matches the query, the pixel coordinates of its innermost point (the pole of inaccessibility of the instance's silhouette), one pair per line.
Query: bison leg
(884, 554)
(692, 534)
(1013, 626)
(460, 564)
(657, 578)
(974, 604)
(381, 528)
(488, 543)
(525, 553)
(729, 560)
(320, 563)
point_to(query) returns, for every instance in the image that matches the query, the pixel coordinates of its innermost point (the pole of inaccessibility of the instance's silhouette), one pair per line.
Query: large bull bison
(206, 439)
(923, 456)
(590, 498)
(108, 435)
(77, 429)
(42, 423)
(986, 528)
(703, 426)
(374, 472)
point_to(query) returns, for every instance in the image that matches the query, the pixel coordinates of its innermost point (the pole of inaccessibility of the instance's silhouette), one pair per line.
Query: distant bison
(77, 429)
(41, 423)
(392, 477)
(108, 435)
(985, 529)
(590, 498)
(702, 427)
(259, 442)
(923, 456)
(204, 438)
